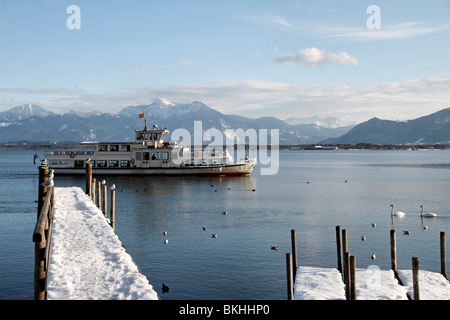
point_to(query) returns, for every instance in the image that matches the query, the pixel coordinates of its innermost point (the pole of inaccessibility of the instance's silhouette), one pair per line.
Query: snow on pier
(88, 261)
(371, 284)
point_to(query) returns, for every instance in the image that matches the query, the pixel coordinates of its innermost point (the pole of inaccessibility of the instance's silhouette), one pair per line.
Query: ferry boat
(147, 155)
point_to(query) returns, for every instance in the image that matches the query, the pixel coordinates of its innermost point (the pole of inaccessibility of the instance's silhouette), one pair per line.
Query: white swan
(427, 214)
(396, 213)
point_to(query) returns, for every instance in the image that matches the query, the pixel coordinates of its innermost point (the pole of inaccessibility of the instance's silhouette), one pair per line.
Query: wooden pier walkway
(87, 260)
(78, 256)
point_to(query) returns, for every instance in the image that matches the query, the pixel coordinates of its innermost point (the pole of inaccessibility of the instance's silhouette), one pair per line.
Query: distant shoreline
(360, 146)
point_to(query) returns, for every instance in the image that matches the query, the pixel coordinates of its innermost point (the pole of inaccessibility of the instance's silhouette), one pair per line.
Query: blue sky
(253, 58)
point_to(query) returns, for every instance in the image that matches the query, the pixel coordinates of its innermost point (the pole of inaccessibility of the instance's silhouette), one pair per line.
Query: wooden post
(112, 209)
(443, 259)
(353, 277)
(338, 247)
(347, 280)
(42, 191)
(344, 249)
(415, 273)
(294, 252)
(104, 199)
(88, 178)
(393, 251)
(94, 184)
(99, 195)
(290, 285)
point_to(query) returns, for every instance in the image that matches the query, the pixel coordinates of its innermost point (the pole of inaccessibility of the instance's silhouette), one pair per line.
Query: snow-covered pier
(349, 283)
(88, 261)
(371, 284)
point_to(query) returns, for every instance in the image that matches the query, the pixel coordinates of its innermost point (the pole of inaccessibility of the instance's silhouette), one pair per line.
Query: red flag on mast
(141, 116)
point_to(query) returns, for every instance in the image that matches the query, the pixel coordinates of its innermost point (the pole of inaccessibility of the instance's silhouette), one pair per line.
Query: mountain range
(32, 124)
(430, 129)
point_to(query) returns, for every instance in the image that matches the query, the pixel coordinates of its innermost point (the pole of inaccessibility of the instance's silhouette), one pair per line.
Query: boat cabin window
(124, 163)
(138, 155)
(103, 147)
(165, 156)
(155, 156)
(146, 156)
(113, 163)
(125, 147)
(79, 163)
(101, 163)
(114, 147)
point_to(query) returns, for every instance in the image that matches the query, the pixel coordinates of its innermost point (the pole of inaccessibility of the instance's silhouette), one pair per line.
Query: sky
(351, 59)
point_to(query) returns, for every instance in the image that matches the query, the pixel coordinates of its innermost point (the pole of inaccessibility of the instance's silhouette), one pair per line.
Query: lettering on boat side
(228, 309)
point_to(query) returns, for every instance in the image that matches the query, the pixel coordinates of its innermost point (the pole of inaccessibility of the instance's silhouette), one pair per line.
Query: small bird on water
(373, 256)
(272, 247)
(214, 235)
(164, 288)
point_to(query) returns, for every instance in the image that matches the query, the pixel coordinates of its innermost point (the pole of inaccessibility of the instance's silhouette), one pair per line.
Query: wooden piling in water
(338, 247)
(99, 195)
(112, 208)
(393, 251)
(290, 282)
(344, 250)
(89, 178)
(415, 274)
(93, 187)
(443, 258)
(104, 198)
(42, 190)
(294, 252)
(347, 280)
(352, 278)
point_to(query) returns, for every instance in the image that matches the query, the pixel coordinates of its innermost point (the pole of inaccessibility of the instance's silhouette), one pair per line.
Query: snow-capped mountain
(38, 124)
(23, 112)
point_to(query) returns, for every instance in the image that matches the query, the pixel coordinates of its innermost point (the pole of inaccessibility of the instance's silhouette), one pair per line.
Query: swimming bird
(166, 241)
(165, 288)
(165, 233)
(363, 238)
(406, 232)
(396, 213)
(204, 228)
(425, 227)
(427, 214)
(374, 225)
(224, 212)
(373, 256)
(272, 247)
(214, 235)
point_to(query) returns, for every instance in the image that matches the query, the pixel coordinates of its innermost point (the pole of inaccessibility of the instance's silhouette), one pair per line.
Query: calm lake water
(312, 192)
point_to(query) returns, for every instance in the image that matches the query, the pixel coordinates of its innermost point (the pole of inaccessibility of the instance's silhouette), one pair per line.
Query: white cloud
(403, 30)
(315, 57)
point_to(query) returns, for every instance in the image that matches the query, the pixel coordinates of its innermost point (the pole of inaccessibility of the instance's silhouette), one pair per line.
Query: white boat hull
(229, 170)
